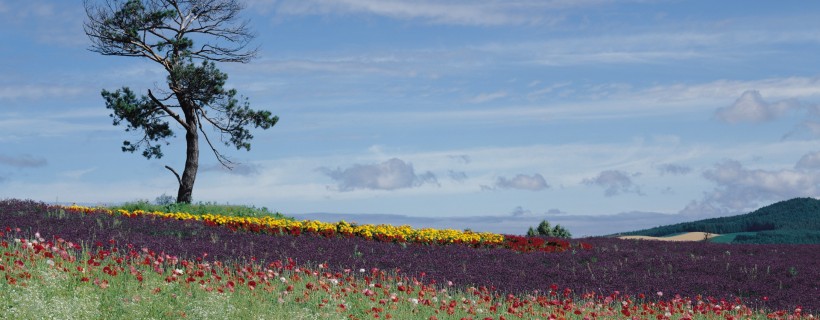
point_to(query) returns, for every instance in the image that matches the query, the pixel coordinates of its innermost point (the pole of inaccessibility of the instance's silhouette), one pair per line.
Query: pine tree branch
(179, 180)
(168, 110)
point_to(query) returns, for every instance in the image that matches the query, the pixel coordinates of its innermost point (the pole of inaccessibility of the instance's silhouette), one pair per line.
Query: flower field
(75, 262)
(381, 233)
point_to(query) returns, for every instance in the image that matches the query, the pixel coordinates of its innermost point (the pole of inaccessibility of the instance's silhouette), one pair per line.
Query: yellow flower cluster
(381, 232)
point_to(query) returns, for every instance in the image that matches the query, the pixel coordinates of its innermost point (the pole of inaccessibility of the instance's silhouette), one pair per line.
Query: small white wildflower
(414, 300)
(361, 270)
(283, 279)
(50, 262)
(372, 285)
(334, 281)
(178, 271)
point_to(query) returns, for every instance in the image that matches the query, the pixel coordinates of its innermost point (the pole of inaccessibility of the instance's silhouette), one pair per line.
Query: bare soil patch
(689, 236)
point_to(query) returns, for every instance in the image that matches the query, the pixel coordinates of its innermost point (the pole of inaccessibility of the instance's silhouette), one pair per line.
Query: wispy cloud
(458, 12)
(49, 22)
(14, 126)
(485, 97)
(32, 92)
(241, 169)
(23, 161)
(614, 182)
(389, 175)
(77, 174)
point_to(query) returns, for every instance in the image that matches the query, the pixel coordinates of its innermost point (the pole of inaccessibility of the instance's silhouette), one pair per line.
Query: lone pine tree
(163, 31)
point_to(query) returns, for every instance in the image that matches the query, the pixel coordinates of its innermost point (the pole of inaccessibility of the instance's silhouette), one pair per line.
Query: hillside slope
(791, 221)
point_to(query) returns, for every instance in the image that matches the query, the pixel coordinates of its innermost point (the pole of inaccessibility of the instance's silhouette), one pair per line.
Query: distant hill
(791, 221)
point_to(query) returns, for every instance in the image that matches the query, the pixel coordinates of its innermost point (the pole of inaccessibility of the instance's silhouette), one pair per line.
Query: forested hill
(793, 219)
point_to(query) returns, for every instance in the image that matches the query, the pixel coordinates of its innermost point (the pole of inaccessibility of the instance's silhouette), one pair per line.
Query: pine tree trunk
(186, 184)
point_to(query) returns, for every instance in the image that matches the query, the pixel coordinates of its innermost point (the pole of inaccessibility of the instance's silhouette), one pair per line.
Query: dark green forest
(792, 221)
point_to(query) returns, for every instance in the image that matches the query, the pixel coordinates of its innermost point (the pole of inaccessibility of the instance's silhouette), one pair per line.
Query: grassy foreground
(61, 280)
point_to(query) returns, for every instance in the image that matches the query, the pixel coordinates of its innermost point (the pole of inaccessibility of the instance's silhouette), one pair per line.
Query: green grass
(729, 237)
(200, 208)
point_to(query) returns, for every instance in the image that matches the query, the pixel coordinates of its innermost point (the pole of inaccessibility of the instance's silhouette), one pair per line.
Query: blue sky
(601, 115)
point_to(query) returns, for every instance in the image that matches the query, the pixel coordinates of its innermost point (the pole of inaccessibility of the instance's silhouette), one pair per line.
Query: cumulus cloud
(751, 107)
(23, 161)
(519, 211)
(389, 175)
(669, 168)
(534, 182)
(740, 189)
(614, 182)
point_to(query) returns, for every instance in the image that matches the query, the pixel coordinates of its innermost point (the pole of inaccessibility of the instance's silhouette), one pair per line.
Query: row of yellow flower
(381, 232)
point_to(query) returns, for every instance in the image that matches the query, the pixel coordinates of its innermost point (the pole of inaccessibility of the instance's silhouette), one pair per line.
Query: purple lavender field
(763, 276)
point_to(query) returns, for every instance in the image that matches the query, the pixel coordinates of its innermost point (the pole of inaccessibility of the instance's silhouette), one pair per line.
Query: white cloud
(535, 182)
(614, 182)
(740, 189)
(751, 107)
(389, 175)
(809, 161)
